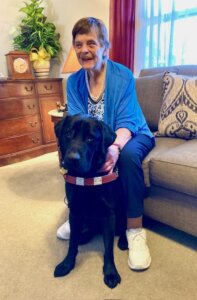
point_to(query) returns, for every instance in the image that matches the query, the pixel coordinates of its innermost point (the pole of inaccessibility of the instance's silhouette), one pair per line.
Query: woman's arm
(123, 136)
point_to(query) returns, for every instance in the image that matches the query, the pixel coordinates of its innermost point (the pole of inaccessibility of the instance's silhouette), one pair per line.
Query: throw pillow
(178, 114)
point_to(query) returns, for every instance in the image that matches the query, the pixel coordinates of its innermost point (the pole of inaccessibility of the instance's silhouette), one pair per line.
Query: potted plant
(37, 36)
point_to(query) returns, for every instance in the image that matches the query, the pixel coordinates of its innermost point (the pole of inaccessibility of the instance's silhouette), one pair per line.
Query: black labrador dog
(83, 143)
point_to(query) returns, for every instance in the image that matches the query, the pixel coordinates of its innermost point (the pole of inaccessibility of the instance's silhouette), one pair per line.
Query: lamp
(71, 64)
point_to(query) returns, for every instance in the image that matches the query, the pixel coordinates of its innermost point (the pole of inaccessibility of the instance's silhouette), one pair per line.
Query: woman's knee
(135, 150)
(129, 157)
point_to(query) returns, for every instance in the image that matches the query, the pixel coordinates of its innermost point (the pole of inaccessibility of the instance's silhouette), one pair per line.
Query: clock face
(20, 65)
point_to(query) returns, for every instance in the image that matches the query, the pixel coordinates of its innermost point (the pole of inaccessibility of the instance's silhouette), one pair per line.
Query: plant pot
(41, 67)
(41, 72)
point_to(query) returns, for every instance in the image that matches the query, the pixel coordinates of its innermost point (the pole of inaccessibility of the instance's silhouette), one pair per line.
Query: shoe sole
(139, 268)
(63, 237)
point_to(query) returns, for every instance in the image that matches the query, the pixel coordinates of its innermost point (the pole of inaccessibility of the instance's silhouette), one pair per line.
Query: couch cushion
(180, 69)
(157, 70)
(149, 92)
(176, 169)
(178, 115)
(172, 208)
(162, 144)
(190, 70)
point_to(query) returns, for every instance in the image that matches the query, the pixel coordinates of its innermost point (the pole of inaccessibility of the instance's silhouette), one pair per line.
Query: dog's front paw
(122, 243)
(64, 268)
(111, 280)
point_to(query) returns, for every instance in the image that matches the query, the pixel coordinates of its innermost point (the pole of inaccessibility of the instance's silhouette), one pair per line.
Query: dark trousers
(131, 174)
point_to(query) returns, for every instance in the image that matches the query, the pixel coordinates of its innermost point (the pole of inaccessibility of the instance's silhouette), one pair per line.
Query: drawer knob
(28, 88)
(31, 106)
(48, 88)
(35, 140)
(33, 124)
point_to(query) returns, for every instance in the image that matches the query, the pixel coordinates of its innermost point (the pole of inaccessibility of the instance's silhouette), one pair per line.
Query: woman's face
(89, 52)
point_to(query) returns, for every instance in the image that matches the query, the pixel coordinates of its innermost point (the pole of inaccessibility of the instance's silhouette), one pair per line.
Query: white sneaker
(63, 231)
(139, 254)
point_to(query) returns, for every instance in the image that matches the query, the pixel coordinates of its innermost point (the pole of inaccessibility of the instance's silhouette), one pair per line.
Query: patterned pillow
(178, 114)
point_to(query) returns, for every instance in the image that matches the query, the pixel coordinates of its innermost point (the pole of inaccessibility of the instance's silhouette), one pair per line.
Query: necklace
(96, 98)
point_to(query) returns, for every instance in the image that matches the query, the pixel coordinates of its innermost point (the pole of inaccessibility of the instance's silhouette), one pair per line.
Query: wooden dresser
(26, 129)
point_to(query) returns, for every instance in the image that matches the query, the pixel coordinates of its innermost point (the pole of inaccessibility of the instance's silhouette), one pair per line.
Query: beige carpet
(32, 208)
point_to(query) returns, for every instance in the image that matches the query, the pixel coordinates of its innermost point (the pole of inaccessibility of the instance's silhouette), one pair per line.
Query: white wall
(64, 14)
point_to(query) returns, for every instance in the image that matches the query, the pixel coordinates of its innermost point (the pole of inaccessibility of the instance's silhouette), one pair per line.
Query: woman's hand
(123, 136)
(111, 159)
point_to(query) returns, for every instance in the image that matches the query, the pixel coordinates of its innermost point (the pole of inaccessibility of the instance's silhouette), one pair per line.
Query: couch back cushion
(190, 70)
(149, 92)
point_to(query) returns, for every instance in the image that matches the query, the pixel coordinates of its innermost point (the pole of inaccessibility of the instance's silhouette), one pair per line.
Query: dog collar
(91, 181)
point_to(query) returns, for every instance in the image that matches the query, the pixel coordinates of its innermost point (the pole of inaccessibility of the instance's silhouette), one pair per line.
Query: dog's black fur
(83, 143)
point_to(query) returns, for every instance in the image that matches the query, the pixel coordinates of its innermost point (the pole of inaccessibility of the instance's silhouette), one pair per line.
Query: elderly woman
(106, 90)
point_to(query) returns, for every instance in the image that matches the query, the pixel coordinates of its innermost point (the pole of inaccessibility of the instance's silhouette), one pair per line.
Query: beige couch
(171, 167)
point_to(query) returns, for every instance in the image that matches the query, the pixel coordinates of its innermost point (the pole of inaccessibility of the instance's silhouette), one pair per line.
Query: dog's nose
(73, 156)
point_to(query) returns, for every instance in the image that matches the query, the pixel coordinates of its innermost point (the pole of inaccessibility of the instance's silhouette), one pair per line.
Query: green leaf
(36, 31)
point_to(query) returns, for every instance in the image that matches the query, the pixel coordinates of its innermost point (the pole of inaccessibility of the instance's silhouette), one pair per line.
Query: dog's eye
(90, 139)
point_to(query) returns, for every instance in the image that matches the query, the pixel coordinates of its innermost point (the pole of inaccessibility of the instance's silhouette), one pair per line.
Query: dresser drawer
(21, 89)
(12, 108)
(19, 126)
(19, 143)
(26, 129)
(48, 87)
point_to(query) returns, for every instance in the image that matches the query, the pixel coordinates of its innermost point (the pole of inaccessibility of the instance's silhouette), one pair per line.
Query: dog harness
(90, 181)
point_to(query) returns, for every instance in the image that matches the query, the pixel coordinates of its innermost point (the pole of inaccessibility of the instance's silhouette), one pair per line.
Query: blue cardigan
(121, 106)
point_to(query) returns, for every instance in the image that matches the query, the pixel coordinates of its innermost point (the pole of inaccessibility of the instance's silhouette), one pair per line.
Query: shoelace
(137, 242)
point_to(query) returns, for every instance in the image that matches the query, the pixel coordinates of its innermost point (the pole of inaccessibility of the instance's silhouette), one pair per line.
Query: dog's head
(83, 143)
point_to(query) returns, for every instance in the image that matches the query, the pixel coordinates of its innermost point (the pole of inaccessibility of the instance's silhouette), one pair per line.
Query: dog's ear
(108, 135)
(59, 132)
(60, 125)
